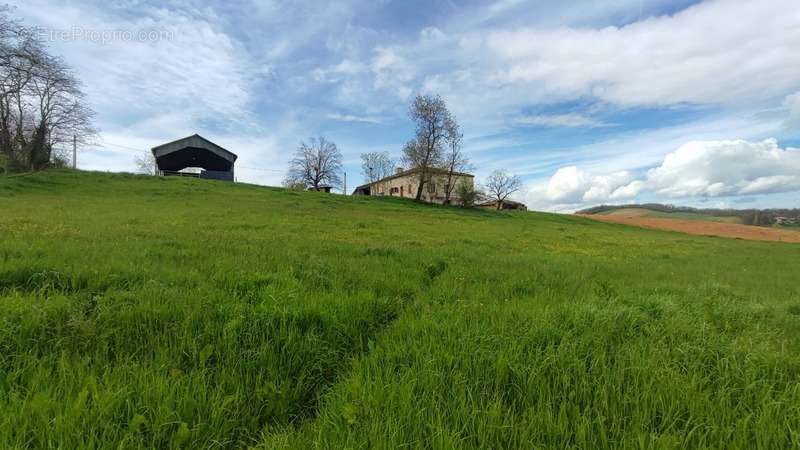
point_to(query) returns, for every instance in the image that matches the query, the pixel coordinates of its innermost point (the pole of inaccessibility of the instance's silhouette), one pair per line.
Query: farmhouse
(194, 152)
(404, 183)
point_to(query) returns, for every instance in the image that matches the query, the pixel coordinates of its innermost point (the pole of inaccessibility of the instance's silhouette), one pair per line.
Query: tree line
(42, 106)
(437, 145)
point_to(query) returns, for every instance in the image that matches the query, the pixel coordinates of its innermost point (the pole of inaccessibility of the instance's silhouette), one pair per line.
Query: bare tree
(42, 106)
(433, 123)
(61, 114)
(317, 163)
(500, 185)
(145, 163)
(454, 160)
(377, 165)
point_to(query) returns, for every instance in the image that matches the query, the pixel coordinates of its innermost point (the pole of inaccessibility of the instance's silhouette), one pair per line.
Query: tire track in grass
(428, 275)
(163, 364)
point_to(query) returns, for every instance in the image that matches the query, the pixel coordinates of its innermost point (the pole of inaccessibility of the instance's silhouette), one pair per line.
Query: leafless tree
(61, 114)
(500, 185)
(377, 165)
(433, 124)
(42, 106)
(454, 159)
(315, 164)
(145, 163)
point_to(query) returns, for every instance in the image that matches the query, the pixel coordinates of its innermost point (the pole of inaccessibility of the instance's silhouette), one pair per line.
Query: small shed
(322, 188)
(365, 189)
(506, 205)
(195, 151)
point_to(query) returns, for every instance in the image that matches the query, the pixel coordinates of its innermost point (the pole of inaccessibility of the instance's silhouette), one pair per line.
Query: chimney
(398, 170)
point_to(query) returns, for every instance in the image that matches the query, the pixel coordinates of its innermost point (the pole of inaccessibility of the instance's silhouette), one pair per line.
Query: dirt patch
(728, 230)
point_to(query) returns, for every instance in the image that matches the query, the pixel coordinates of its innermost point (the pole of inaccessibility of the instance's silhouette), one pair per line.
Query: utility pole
(74, 151)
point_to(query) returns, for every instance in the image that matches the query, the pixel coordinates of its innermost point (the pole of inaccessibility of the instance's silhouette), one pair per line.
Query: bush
(467, 195)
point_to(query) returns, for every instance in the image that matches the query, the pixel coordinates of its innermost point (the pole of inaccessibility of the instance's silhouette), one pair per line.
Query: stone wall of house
(406, 187)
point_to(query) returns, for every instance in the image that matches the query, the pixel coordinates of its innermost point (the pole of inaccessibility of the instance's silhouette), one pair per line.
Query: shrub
(467, 195)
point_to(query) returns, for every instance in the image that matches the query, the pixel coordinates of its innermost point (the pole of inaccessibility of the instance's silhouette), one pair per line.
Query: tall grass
(170, 313)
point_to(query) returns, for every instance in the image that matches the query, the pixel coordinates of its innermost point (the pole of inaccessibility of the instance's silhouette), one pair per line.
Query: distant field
(641, 212)
(140, 312)
(698, 224)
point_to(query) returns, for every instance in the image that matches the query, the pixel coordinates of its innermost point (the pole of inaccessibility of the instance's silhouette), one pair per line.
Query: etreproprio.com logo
(95, 36)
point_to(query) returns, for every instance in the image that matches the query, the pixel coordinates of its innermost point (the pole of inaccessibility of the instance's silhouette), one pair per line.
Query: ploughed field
(698, 224)
(140, 312)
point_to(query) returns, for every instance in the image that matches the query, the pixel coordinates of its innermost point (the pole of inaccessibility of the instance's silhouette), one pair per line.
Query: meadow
(141, 312)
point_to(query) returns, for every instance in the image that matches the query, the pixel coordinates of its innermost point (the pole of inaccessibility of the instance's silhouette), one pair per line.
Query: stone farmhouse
(404, 184)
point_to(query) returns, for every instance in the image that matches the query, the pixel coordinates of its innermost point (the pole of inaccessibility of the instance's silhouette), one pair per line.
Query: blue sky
(590, 102)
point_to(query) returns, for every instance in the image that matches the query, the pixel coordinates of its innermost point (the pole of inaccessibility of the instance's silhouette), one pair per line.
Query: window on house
(432, 187)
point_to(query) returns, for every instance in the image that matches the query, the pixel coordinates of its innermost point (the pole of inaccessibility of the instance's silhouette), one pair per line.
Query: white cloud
(573, 185)
(717, 168)
(431, 35)
(352, 118)
(393, 72)
(696, 170)
(562, 120)
(715, 52)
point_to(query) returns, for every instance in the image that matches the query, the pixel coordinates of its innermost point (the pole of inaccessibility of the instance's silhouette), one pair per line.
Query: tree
(454, 160)
(500, 185)
(146, 163)
(377, 165)
(314, 164)
(61, 115)
(433, 125)
(42, 106)
(467, 194)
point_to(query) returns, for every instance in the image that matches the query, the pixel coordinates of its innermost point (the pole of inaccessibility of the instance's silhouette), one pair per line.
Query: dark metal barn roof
(193, 151)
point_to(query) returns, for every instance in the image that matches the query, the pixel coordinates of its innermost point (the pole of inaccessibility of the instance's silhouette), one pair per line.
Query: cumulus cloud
(572, 185)
(718, 168)
(696, 170)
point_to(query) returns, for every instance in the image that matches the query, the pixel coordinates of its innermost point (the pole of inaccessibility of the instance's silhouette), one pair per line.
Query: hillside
(757, 217)
(645, 212)
(142, 312)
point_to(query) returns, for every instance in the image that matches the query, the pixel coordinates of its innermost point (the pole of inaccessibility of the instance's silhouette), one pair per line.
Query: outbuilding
(505, 205)
(195, 151)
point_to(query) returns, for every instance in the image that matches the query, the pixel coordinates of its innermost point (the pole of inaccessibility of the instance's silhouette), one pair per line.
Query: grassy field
(142, 312)
(681, 215)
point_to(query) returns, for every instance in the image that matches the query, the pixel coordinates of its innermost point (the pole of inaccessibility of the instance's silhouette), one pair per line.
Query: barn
(195, 151)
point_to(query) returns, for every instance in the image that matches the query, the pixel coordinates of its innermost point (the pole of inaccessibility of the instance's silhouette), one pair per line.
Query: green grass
(142, 312)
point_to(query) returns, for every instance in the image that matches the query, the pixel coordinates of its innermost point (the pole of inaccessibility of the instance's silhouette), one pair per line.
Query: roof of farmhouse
(431, 170)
